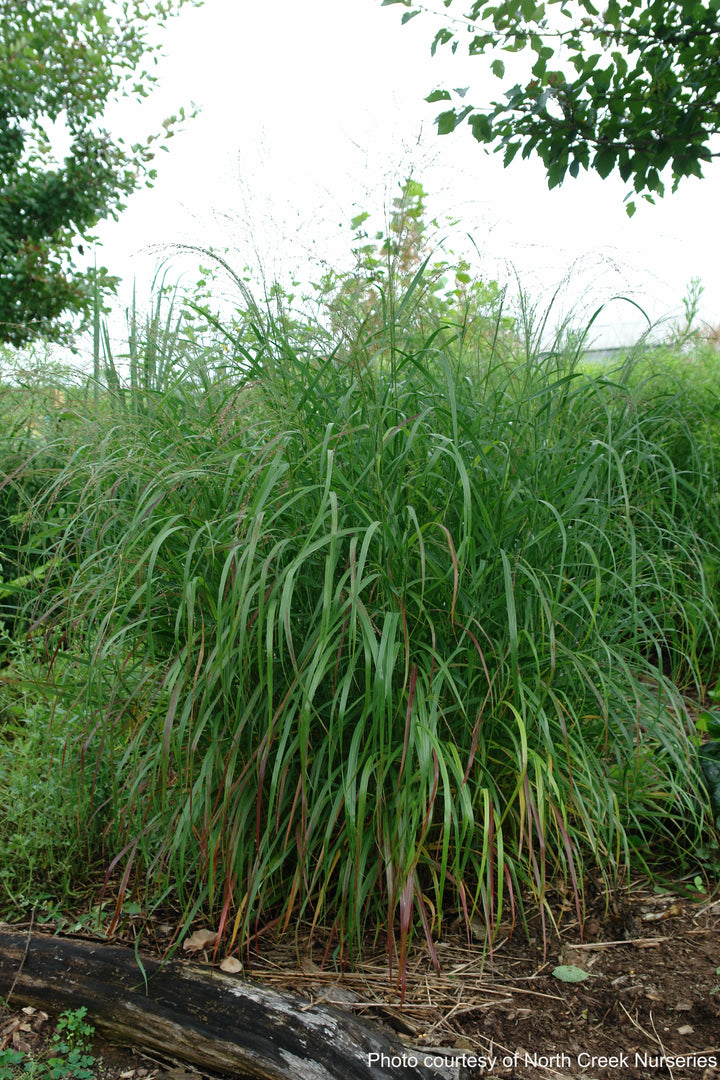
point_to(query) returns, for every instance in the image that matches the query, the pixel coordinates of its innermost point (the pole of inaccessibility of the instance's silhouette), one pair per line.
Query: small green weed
(49, 823)
(66, 1056)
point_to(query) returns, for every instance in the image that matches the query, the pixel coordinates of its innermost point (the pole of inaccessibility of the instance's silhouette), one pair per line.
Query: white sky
(314, 110)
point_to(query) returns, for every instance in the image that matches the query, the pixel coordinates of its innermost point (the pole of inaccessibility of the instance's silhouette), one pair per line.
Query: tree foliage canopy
(65, 63)
(634, 87)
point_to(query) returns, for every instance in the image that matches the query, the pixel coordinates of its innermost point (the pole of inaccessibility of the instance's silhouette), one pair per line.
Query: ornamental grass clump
(376, 638)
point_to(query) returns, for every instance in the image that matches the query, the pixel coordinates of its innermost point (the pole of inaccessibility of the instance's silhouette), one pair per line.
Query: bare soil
(648, 1006)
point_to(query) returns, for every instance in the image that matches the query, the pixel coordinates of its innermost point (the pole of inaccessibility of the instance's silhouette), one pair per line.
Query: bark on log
(215, 1021)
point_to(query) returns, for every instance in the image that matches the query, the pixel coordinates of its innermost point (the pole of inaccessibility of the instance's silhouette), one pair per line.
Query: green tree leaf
(446, 122)
(481, 127)
(604, 161)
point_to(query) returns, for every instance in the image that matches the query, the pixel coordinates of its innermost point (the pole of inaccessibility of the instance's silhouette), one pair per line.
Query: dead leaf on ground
(20, 1043)
(200, 939)
(670, 912)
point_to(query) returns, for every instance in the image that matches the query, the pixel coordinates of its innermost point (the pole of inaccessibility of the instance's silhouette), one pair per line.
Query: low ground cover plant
(50, 832)
(372, 636)
(66, 1056)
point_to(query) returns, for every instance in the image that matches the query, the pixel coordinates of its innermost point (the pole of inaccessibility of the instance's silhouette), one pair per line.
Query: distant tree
(633, 86)
(65, 62)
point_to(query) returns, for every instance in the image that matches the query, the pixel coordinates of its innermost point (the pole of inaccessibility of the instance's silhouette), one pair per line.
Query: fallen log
(202, 1016)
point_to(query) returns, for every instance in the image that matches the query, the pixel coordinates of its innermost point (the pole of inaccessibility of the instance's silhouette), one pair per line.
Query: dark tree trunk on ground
(199, 1015)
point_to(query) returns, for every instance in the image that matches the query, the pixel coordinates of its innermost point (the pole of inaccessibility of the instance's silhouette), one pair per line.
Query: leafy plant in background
(64, 64)
(393, 268)
(631, 88)
(688, 332)
(393, 275)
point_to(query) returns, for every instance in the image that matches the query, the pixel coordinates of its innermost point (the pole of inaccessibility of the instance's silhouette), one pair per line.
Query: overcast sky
(313, 111)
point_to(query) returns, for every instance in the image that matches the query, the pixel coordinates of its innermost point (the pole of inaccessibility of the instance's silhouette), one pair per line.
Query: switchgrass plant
(370, 638)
